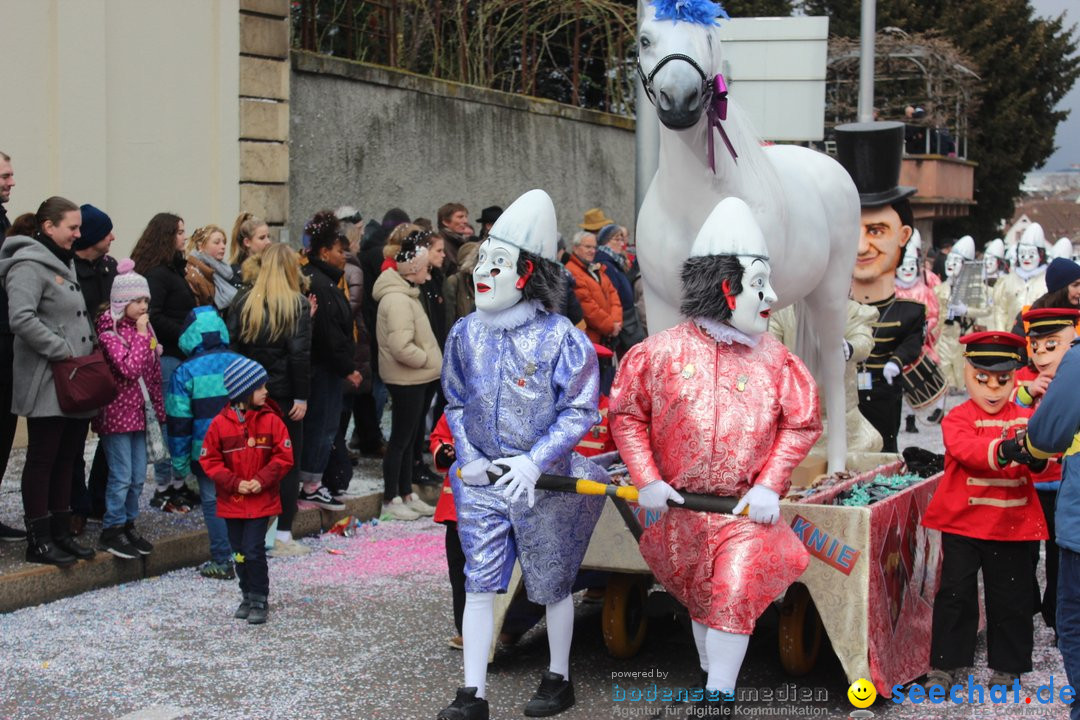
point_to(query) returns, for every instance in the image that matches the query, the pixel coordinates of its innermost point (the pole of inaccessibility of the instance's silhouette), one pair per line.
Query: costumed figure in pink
(718, 405)
(924, 387)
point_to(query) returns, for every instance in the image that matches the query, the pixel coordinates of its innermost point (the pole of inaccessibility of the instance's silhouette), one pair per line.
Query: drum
(923, 382)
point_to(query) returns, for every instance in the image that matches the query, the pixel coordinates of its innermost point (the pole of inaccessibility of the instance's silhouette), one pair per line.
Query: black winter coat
(96, 280)
(287, 360)
(332, 344)
(431, 297)
(170, 302)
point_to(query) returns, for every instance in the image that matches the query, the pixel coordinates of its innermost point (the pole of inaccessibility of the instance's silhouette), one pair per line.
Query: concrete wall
(377, 139)
(130, 105)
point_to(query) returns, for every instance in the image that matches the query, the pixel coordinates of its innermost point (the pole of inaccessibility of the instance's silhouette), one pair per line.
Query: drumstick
(582, 486)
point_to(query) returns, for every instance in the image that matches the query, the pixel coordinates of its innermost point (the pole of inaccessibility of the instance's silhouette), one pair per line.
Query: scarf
(64, 256)
(620, 260)
(224, 290)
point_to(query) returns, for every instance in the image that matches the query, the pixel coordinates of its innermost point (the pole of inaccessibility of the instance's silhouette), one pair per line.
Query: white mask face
(908, 270)
(495, 276)
(990, 266)
(753, 304)
(1027, 257)
(953, 263)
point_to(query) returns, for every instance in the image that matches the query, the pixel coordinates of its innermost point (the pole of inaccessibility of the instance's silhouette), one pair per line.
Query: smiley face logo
(862, 693)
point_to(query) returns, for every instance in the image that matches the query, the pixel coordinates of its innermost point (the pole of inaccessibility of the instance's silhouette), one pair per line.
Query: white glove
(890, 371)
(848, 350)
(957, 310)
(655, 496)
(520, 478)
(764, 505)
(475, 472)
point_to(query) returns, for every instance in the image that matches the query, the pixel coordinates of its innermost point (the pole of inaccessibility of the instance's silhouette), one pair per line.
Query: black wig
(703, 286)
(545, 283)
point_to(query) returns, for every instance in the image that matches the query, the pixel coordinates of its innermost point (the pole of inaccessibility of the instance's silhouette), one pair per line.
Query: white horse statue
(806, 203)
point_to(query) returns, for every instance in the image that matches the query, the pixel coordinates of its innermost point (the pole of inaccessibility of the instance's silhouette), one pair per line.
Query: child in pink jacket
(129, 345)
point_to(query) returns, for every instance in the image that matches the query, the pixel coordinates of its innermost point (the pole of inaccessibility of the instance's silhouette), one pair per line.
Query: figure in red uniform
(989, 517)
(718, 405)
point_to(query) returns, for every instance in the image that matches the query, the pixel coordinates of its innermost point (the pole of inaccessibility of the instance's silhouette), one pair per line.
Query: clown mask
(750, 315)
(1027, 257)
(989, 389)
(990, 266)
(953, 263)
(498, 285)
(907, 271)
(1047, 351)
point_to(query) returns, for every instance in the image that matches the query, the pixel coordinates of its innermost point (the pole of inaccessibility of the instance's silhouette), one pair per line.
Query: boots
(466, 706)
(40, 547)
(554, 695)
(244, 611)
(911, 428)
(61, 533)
(259, 611)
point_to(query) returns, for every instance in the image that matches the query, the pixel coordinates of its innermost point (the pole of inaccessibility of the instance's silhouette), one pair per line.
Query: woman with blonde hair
(250, 236)
(206, 249)
(270, 323)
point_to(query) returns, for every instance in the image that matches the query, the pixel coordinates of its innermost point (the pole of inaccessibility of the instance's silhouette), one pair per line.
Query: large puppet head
(1031, 250)
(518, 259)
(1063, 248)
(726, 277)
(1050, 333)
(907, 272)
(993, 258)
(963, 250)
(992, 358)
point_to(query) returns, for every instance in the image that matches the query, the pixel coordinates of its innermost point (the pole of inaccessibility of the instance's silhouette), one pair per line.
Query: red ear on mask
(726, 287)
(520, 284)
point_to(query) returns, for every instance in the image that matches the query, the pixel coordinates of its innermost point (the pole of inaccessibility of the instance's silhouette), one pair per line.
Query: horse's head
(678, 56)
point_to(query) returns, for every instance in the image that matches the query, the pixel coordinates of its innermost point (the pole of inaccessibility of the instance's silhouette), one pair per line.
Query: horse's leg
(659, 313)
(824, 318)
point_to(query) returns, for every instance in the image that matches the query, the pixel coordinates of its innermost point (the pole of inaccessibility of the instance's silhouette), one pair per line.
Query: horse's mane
(699, 12)
(756, 173)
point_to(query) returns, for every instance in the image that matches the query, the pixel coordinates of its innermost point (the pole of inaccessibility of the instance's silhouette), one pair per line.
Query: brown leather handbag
(83, 383)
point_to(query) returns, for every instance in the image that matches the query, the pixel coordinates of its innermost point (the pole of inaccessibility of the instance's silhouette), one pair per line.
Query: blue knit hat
(1061, 273)
(96, 226)
(242, 377)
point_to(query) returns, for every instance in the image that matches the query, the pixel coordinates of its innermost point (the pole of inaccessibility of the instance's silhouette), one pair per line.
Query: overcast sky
(1068, 132)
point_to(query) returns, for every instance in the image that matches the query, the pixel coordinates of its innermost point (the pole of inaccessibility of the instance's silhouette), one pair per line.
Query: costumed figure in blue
(521, 385)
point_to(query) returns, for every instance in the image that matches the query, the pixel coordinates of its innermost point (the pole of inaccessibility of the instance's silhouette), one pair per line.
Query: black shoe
(321, 498)
(910, 427)
(10, 534)
(259, 610)
(554, 695)
(40, 547)
(114, 542)
(61, 534)
(244, 610)
(466, 706)
(187, 496)
(936, 416)
(137, 541)
(422, 475)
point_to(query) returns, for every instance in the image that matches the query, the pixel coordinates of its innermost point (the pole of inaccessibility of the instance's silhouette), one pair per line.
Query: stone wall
(377, 138)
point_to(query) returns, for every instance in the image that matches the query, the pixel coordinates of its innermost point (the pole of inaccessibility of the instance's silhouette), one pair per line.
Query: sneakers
(141, 544)
(942, 678)
(554, 695)
(998, 677)
(259, 610)
(422, 475)
(420, 507)
(169, 500)
(186, 496)
(10, 534)
(115, 543)
(217, 571)
(321, 498)
(398, 510)
(288, 548)
(244, 609)
(456, 643)
(466, 706)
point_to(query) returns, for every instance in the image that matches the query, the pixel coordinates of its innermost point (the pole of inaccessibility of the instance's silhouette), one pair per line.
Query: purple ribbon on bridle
(716, 110)
(713, 94)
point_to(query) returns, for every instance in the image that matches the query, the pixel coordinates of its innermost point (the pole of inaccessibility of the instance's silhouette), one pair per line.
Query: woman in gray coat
(50, 322)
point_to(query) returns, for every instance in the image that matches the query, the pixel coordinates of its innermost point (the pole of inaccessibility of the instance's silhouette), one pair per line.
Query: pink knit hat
(127, 287)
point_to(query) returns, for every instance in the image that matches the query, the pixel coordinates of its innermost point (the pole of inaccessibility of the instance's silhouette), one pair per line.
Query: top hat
(489, 215)
(871, 153)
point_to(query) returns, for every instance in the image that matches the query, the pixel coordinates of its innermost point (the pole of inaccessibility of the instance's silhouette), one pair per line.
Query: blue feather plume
(700, 12)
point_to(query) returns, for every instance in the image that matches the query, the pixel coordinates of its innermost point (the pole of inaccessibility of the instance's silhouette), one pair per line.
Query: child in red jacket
(246, 452)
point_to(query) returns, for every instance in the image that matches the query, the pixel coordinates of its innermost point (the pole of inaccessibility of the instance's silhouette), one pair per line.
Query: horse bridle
(713, 97)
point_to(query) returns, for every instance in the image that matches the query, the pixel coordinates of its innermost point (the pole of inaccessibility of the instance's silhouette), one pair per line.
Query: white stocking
(477, 628)
(726, 652)
(699, 640)
(560, 631)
